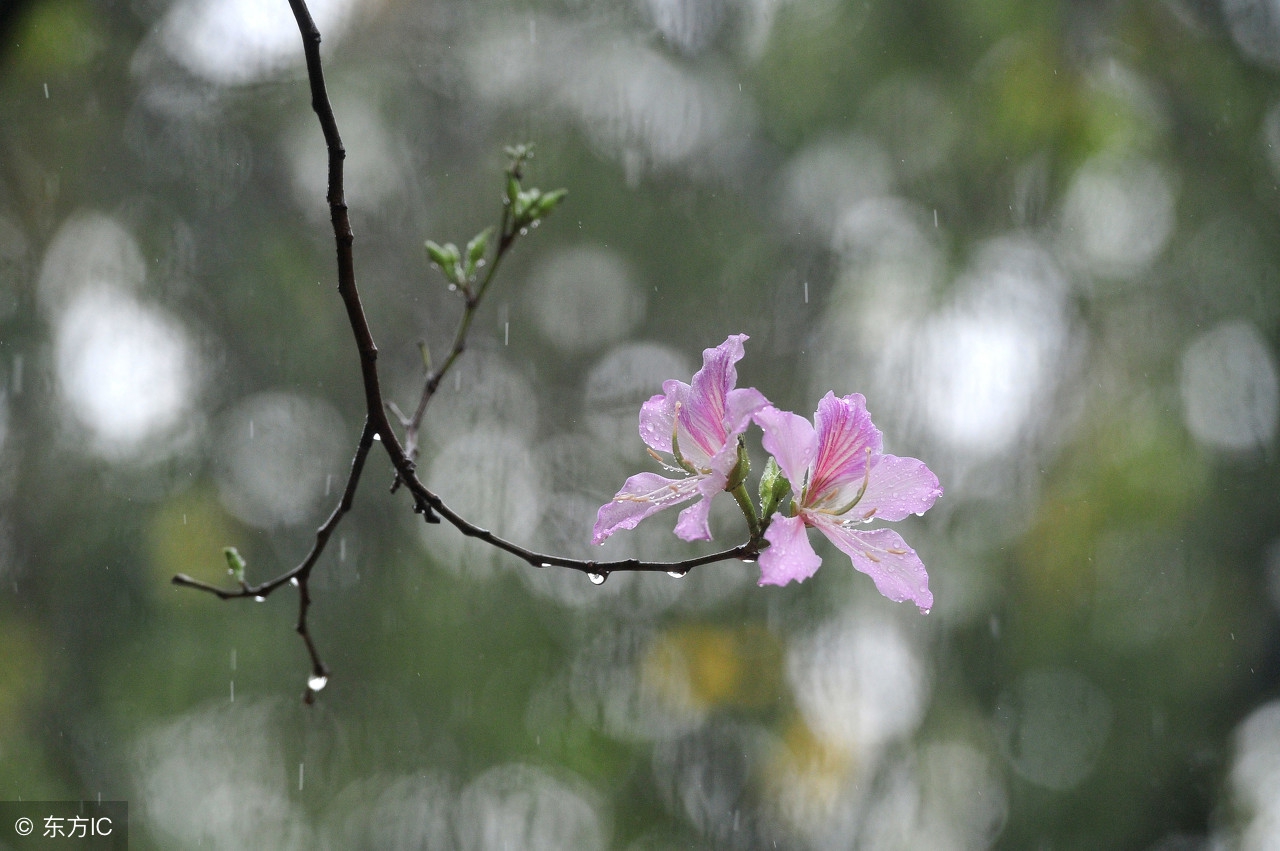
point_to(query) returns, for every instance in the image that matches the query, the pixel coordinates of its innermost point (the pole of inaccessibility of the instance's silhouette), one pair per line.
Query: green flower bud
(774, 488)
(742, 469)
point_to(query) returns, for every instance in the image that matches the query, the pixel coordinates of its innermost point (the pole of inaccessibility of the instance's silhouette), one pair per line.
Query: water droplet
(317, 682)
(748, 561)
(524, 231)
(596, 578)
(535, 223)
(259, 599)
(545, 564)
(294, 581)
(926, 611)
(677, 574)
(453, 288)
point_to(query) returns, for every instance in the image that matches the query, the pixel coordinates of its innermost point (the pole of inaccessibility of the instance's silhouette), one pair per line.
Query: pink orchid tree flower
(841, 480)
(698, 425)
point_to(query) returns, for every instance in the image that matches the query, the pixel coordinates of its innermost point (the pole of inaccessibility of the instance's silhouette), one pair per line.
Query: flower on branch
(697, 425)
(841, 480)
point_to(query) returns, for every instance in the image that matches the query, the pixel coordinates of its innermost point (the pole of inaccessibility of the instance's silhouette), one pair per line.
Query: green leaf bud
(477, 247)
(235, 563)
(548, 202)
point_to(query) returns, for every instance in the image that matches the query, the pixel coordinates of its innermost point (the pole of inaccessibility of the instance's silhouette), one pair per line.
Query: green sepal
(235, 563)
(774, 488)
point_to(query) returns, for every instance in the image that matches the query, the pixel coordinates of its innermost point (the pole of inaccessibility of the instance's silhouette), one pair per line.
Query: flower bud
(774, 488)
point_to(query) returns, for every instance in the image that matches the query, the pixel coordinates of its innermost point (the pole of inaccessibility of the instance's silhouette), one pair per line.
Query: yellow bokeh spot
(711, 666)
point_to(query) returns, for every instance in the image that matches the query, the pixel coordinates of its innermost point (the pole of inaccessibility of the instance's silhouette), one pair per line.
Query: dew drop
(677, 574)
(317, 682)
(596, 578)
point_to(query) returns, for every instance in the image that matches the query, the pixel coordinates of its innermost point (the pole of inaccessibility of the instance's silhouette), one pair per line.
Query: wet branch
(521, 210)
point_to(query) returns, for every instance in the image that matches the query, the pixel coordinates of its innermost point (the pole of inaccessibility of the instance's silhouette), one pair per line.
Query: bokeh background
(1040, 237)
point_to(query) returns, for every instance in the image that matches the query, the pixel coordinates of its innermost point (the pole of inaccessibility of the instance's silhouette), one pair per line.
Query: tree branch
(515, 216)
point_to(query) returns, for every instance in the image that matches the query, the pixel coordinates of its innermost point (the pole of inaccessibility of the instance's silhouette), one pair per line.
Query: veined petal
(791, 440)
(658, 415)
(885, 557)
(845, 433)
(704, 415)
(691, 525)
(896, 488)
(789, 554)
(642, 495)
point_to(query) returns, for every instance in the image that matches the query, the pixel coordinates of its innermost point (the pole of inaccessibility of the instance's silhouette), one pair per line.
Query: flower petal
(789, 554)
(885, 557)
(791, 440)
(642, 495)
(658, 415)
(704, 415)
(845, 434)
(742, 404)
(896, 488)
(692, 525)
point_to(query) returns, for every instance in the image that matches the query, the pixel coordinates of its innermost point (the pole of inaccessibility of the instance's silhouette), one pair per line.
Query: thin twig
(378, 427)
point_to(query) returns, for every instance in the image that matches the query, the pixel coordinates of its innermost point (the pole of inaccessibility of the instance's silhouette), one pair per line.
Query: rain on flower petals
(841, 480)
(697, 425)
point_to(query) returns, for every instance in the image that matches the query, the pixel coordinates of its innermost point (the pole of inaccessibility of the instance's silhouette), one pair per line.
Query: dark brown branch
(378, 427)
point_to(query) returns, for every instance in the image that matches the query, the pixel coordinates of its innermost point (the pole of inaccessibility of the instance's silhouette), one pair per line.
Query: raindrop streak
(935, 217)
(328, 484)
(233, 691)
(806, 292)
(17, 374)
(233, 658)
(46, 91)
(299, 777)
(251, 429)
(342, 548)
(596, 578)
(184, 520)
(506, 333)
(317, 682)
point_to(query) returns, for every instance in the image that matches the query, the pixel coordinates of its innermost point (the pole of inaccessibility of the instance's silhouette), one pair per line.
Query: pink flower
(840, 480)
(698, 425)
